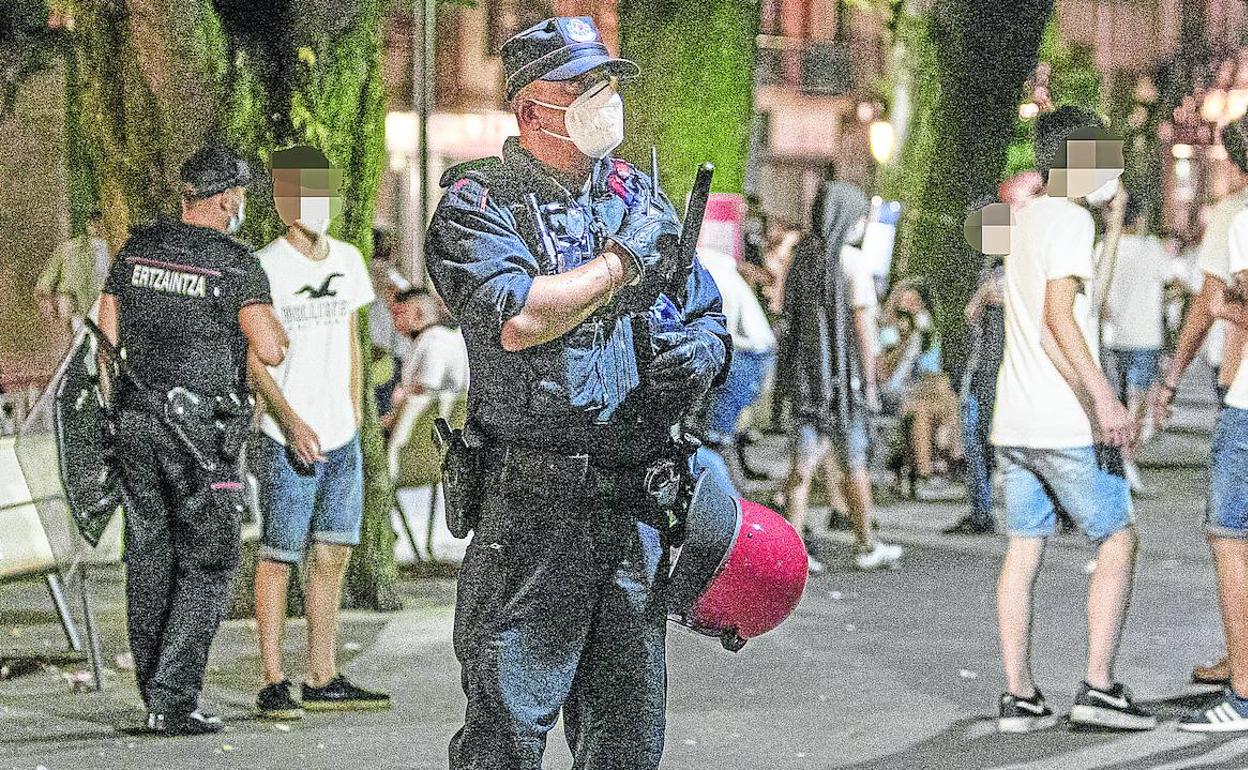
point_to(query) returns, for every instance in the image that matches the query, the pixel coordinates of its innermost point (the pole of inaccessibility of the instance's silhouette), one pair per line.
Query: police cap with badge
(558, 49)
(211, 170)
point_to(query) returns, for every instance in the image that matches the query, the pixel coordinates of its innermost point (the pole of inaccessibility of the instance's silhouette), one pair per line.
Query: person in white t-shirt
(1224, 341)
(1134, 327)
(1226, 515)
(437, 358)
(307, 460)
(753, 354)
(1058, 429)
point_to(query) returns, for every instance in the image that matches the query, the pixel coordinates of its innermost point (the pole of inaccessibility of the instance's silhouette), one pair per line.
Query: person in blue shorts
(1051, 448)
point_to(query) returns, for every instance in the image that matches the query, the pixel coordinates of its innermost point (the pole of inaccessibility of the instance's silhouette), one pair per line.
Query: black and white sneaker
(174, 725)
(341, 693)
(1024, 715)
(1110, 708)
(1228, 715)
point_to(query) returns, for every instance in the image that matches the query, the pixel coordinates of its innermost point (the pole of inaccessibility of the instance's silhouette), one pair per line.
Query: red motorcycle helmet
(741, 570)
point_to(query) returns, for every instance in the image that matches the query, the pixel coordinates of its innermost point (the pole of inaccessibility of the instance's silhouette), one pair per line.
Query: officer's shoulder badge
(625, 181)
(468, 184)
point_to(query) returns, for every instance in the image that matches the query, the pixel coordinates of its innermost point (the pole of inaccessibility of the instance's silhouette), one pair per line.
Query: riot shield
(63, 452)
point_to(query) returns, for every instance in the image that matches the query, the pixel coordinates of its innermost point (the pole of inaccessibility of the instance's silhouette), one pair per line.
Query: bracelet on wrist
(611, 281)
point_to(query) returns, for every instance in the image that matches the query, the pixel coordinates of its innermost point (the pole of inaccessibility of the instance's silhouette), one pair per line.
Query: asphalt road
(887, 670)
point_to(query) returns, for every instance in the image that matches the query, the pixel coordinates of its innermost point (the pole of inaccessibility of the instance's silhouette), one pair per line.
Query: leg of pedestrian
(1227, 527)
(1230, 712)
(1231, 558)
(326, 571)
(275, 700)
(1023, 557)
(846, 465)
(808, 449)
(1109, 594)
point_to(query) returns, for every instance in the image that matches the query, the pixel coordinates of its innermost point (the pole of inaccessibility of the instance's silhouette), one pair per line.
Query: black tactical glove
(641, 236)
(686, 362)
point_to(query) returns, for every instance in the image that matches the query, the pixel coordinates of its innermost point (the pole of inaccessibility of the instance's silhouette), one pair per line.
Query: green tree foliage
(694, 98)
(151, 79)
(27, 46)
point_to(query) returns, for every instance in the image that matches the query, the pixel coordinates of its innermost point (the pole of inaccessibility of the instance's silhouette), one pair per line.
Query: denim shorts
(1087, 482)
(853, 444)
(1227, 513)
(326, 501)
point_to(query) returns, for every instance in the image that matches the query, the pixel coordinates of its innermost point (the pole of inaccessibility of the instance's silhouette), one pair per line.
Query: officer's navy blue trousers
(560, 606)
(182, 550)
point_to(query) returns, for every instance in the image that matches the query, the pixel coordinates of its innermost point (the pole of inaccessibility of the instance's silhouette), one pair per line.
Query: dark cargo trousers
(182, 550)
(560, 606)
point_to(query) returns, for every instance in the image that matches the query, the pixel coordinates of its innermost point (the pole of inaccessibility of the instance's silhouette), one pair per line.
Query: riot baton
(695, 212)
(132, 377)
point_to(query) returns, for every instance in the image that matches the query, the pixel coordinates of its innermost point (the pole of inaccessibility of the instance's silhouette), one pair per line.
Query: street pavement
(886, 670)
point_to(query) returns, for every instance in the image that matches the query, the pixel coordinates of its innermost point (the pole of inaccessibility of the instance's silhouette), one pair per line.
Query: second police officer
(183, 302)
(580, 366)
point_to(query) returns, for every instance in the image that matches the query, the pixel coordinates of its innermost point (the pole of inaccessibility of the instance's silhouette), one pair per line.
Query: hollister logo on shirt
(169, 281)
(324, 290)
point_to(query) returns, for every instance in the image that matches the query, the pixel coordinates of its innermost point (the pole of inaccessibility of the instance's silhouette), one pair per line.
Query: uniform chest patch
(168, 279)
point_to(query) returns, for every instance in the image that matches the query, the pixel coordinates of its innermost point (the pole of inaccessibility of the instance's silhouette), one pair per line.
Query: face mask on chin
(595, 121)
(1103, 194)
(236, 219)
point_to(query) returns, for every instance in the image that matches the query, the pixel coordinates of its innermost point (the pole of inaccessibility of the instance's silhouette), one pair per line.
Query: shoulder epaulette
(480, 168)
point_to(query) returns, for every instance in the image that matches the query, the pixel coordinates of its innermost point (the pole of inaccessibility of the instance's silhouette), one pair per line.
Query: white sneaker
(813, 565)
(881, 556)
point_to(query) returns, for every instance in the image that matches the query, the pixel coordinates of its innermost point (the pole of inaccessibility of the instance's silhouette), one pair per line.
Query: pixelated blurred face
(308, 196)
(988, 229)
(1090, 159)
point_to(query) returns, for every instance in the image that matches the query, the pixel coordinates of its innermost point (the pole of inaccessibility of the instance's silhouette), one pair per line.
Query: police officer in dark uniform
(582, 362)
(183, 303)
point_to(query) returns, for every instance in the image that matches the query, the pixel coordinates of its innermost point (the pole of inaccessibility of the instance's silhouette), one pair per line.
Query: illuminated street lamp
(1222, 106)
(883, 139)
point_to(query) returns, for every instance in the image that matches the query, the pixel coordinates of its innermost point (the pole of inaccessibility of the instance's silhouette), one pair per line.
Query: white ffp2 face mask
(595, 121)
(1103, 194)
(314, 214)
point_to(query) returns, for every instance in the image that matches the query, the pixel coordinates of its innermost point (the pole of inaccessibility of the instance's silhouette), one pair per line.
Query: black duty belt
(581, 475)
(187, 415)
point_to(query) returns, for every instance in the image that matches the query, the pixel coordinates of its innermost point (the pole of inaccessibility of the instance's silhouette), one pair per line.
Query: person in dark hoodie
(827, 370)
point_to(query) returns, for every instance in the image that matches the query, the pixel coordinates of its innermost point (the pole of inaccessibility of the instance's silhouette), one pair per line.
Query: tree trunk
(983, 52)
(694, 98)
(152, 79)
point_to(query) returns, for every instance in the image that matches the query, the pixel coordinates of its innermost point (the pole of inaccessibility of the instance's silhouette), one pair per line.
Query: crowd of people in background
(904, 422)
